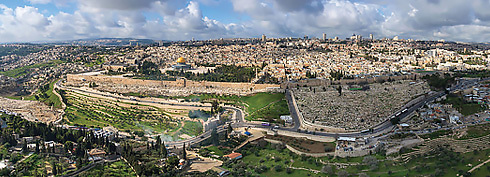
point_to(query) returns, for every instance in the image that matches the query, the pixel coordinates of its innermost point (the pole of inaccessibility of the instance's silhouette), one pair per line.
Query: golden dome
(181, 60)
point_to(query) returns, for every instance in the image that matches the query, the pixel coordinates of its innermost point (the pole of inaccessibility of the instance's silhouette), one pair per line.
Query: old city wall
(81, 80)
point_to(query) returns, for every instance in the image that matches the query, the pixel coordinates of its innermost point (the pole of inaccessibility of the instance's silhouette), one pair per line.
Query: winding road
(240, 121)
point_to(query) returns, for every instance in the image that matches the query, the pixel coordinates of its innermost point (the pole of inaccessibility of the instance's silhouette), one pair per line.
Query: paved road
(292, 110)
(386, 125)
(240, 122)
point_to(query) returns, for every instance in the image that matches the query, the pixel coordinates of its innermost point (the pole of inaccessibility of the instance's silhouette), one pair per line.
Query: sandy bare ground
(204, 165)
(31, 110)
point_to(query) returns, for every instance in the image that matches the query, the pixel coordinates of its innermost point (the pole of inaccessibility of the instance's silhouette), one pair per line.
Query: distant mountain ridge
(109, 42)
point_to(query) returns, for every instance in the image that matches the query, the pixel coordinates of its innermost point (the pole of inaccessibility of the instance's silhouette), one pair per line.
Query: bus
(266, 124)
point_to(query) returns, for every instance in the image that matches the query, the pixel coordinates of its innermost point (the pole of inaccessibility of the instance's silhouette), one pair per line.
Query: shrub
(278, 168)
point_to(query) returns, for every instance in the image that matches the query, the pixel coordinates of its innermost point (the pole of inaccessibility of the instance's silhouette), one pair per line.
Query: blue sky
(55, 20)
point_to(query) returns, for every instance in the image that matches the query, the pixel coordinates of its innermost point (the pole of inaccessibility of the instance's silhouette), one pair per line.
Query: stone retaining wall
(172, 88)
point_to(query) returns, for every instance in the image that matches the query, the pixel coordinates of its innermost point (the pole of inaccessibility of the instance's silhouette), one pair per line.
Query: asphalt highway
(240, 122)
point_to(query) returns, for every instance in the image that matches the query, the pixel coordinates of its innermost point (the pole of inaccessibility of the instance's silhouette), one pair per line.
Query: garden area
(273, 160)
(119, 168)
(462, 106)
(304, 145)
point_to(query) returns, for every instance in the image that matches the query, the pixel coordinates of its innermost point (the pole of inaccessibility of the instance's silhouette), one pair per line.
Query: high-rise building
(371, 36)
(264, 38)
(324, 37)
(359, 37)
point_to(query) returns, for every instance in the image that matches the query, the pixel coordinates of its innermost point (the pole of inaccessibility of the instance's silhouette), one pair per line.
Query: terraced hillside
(84, 110)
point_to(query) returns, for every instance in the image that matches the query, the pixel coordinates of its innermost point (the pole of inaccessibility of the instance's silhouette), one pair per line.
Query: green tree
(184, 152)
(24, 147)
(214, 137)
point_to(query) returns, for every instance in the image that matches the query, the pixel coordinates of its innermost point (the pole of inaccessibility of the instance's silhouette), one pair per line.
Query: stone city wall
(171, 88)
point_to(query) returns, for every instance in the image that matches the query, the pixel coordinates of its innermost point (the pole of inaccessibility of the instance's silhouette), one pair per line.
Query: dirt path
(63, 105)
(130, 166)
(180, 128)
(307, 169)
(479, 165)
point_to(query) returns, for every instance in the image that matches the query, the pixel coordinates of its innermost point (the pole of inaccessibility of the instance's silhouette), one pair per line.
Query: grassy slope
(52, 98)
(273, 104)
(192, 128)
(271, 112)
(261, 100)
(265, 106)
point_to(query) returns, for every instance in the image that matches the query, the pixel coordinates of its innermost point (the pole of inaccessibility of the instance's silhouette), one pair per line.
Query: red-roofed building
(234, 156)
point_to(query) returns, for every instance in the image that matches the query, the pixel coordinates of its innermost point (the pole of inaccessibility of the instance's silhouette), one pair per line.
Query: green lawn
(260, 100)
(262, 106)
(192, 128)
(270, 113)
(216, 150)
(265, 106)
(18, 72)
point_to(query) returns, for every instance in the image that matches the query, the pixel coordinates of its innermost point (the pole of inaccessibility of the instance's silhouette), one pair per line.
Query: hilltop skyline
(57, 20)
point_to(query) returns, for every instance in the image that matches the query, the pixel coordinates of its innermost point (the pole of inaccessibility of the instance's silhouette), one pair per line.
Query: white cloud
(178, 20)
(22, 24)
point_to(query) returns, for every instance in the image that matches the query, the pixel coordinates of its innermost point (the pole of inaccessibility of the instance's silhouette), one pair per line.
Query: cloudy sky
(55, 20)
